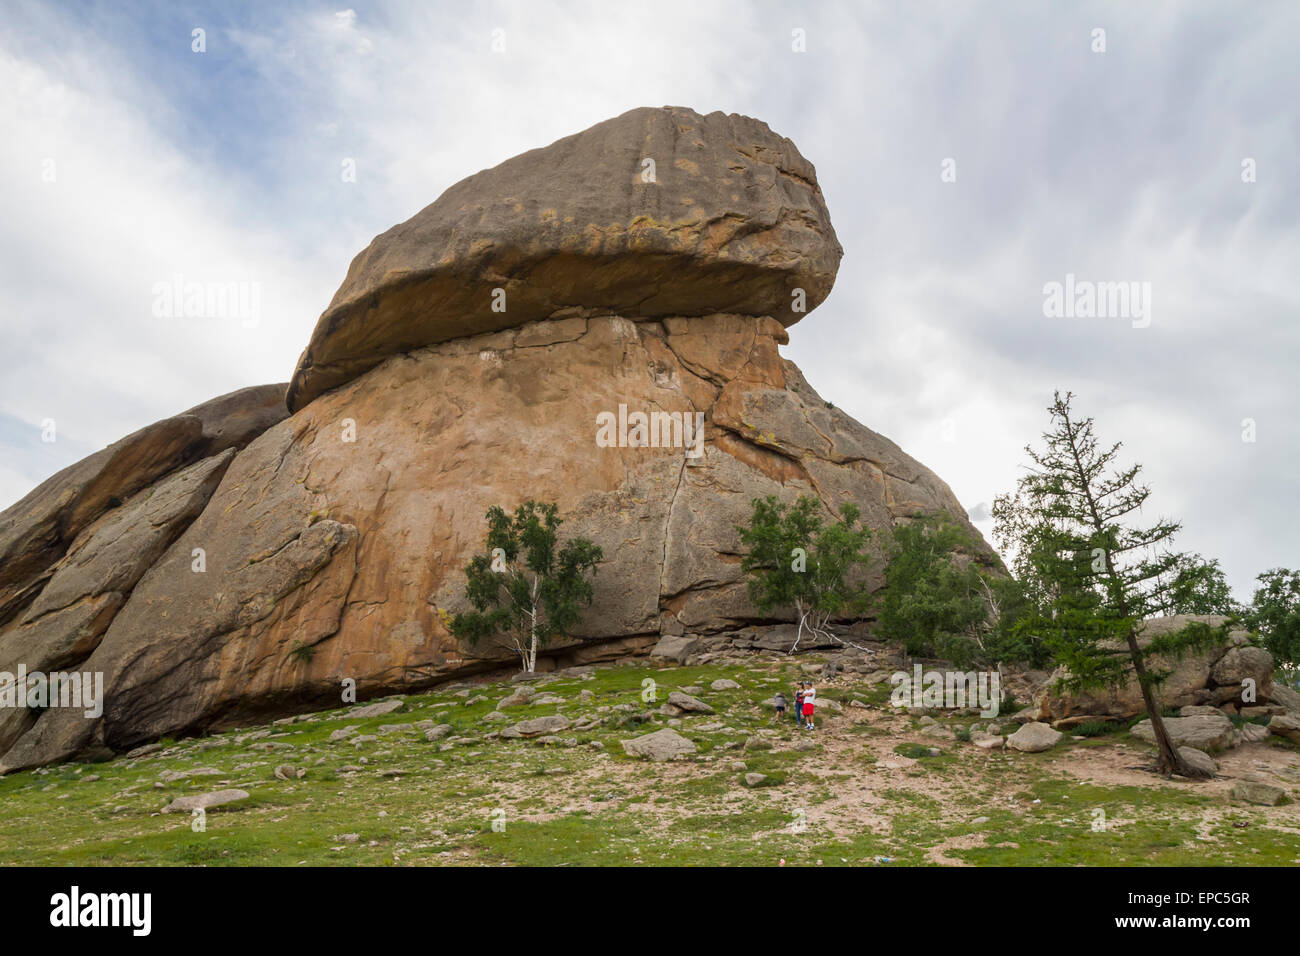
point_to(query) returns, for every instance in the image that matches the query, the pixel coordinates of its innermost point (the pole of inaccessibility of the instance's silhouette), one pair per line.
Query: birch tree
(796, 561)
(521, 588)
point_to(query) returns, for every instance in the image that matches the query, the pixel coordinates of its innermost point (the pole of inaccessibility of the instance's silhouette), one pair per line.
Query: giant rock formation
(335, 516)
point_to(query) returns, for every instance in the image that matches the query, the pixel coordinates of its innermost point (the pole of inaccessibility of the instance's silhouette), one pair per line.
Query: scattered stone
(1207, 732)
(175, 776)
(659, 746)
(538, 726)
(723, 683)
(1034, 737)
(1252, 791)
(205, 801)
(1198, 760)
(522, 695)
(377, 709)
(675, 648)
(686, 704)
(1240, 663)
(1260, 710)
(754, 779)
(1251, 734)
(1287, 726)
(1285, 696)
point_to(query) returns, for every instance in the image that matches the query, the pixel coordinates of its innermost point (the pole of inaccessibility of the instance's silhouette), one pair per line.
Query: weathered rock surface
(538, 726)
(1199, 760)
(205, 801)
(90, 583)
(236, 418)
(676, 647)
(1207, 732)
(1286, 697)
(1034, 738)
(1211, 678)
(335, 541)
(1255, 791)
(1287, 726)
(686, 704)
(732, 220)
(661, 745)
(36, 531)
(378, 709)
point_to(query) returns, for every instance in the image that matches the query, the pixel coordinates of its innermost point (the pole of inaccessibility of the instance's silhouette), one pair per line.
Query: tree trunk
(1168, 762)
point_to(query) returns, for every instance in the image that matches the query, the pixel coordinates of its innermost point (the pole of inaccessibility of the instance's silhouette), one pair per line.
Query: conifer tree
(1095, 573)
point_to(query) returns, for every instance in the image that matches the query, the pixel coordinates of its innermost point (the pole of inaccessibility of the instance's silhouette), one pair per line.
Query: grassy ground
(869, 786)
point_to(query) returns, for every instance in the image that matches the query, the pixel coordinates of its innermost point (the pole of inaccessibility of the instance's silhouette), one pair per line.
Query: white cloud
(1124, 165)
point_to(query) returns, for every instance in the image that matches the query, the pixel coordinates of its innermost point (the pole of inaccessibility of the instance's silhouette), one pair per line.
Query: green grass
(412, 802)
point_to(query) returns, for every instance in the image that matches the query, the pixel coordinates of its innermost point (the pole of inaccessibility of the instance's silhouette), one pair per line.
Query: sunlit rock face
(253, 562)
(655, 213)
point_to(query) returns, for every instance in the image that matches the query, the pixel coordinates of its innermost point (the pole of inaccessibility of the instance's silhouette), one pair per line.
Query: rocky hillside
(242, 560)
(579, 767)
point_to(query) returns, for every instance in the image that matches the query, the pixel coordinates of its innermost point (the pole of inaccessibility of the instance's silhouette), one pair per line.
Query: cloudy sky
(129, 159)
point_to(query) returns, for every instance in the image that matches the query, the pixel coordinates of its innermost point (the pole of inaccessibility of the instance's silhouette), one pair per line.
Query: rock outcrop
(73, 550)
(653, 214)
(335, 540)
(1223, 676)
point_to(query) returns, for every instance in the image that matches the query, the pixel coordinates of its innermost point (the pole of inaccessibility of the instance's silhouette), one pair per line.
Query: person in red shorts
(809, 699)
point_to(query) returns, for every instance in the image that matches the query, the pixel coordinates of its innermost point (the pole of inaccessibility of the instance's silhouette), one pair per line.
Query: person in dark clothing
(780, 703)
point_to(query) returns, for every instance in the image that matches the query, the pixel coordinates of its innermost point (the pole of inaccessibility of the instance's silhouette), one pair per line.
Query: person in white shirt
(809, 698)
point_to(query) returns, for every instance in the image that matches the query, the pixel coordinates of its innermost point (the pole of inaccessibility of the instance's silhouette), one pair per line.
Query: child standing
(779, 701)
(809, 699)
